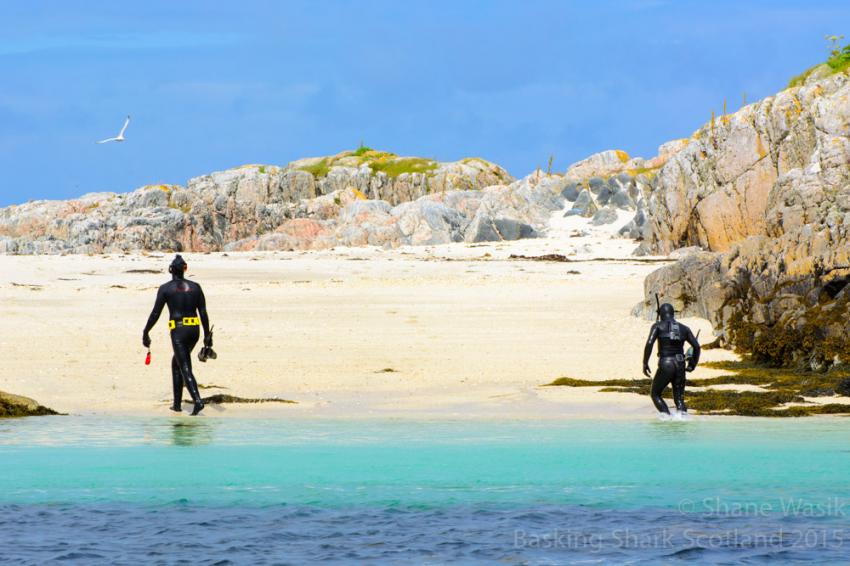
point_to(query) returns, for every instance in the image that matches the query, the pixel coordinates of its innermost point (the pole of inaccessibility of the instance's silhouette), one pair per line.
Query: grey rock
(686, 251)
(571, 192)
(622, 200)
(486, 229)
(583, 206)
(361, 208)
(603, 216)
(625, 179)
(603, 196)
(425, 223)
(510, 229)
(695, 276)
(596, 184)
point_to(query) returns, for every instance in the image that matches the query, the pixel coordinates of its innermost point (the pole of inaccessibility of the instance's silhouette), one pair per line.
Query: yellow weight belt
(186, 321)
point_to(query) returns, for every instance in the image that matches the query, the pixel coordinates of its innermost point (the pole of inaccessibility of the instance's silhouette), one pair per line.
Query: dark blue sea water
(94, 490)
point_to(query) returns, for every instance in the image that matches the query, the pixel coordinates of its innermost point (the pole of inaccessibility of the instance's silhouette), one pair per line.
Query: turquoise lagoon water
(220, 491)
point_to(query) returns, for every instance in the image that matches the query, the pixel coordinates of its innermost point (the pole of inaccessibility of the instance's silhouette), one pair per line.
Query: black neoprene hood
(666, 311)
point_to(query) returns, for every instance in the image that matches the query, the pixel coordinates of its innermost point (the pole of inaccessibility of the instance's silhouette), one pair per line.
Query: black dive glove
(146, 340)
(646, 370)
(206, 353)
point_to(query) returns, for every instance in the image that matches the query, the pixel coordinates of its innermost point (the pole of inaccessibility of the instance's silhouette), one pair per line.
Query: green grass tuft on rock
(319, 169)
(400, 165)
(800, 80)
(838, 62)
(379, 161)
(362, 150)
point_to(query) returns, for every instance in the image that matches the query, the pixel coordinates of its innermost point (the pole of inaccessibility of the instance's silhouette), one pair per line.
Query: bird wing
(124, 127)
(107, 140)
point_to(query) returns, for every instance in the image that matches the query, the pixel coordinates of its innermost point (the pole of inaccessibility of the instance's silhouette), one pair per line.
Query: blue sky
(212, 85)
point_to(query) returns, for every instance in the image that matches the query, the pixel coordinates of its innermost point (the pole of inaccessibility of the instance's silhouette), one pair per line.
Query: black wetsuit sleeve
(202, 311)
(650, 342)
(157, 309)
(691, 339)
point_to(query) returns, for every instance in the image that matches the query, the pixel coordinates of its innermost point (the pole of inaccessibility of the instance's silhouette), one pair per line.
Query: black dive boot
(192, 386)
(679, 395)
(199, 406)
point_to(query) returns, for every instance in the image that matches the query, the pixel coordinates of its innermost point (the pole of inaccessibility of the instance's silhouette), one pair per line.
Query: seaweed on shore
(11, 409)
(222, 398)
(780, 386)
(564, 259)
(814, 338)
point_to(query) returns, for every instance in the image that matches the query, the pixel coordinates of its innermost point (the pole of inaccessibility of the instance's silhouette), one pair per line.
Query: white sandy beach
(466, 331)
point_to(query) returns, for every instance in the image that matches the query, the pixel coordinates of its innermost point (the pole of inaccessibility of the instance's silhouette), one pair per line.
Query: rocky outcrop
(496, 213)
(779, 300)
(601, 198)
(362, 197)
(380, 175)
(311, 204)
(238, 208)
(613, 162)
(767, 190)
(18, 406)
(763, 170)
(695, 285)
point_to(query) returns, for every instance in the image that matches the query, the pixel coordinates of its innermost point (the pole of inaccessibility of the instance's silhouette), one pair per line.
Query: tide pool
(296, 491)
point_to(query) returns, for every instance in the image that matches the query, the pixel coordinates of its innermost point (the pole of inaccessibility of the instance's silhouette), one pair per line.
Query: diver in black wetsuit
(187, 309)
(671, 336)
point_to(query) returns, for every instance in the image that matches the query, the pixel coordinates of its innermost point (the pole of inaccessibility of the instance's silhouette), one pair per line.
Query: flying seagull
(120, 136)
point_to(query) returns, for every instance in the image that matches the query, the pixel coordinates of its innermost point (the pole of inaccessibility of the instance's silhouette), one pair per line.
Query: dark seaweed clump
(814, 337)
(222, 398)
(781, 386)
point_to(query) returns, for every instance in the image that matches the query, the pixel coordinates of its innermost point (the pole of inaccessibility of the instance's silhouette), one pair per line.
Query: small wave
(79, 556)
(692, 552)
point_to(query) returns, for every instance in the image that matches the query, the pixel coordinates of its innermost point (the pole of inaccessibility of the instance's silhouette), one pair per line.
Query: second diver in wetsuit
(187, 310)
(671, 336)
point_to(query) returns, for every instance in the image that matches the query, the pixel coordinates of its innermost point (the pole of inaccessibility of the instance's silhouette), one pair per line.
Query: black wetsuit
(184, 299)
(671, 336)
